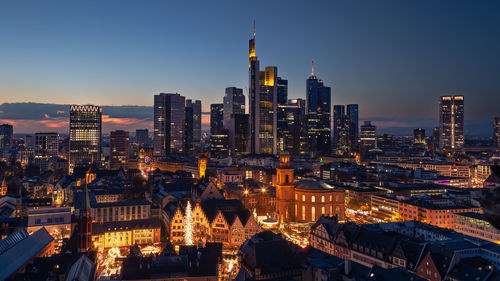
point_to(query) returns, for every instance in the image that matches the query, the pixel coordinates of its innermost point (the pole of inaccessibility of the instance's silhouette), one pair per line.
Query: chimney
(347, 266)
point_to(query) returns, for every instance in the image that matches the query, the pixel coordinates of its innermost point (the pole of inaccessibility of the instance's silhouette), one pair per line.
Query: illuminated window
(322, 210)
(303, 198)
(322, 199)
(313, 198)
(313, 214)
(304, 213)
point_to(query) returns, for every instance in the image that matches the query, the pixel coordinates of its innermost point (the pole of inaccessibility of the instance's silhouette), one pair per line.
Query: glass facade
(85, 127)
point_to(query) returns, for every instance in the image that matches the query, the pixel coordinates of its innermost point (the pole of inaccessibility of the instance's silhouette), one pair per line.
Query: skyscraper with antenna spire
(318, 115)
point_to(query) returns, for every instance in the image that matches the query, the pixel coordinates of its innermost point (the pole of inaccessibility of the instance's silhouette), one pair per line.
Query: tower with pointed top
(202, 166)
(284, 190)
(3, 188)
(85, 220)
(318, 115)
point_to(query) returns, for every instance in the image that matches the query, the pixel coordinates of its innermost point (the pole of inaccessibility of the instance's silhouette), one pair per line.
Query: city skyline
(344, 69)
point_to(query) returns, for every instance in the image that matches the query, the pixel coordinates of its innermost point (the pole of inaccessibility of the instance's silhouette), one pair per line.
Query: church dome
(312, 185)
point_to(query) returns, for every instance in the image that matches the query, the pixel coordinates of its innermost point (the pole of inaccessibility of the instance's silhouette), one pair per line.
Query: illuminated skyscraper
(451, 122)
(295, 134)
(419, 136)
(282, 108)
(263, 95)
(318, 115)
(368, 136)
(496, 131)
(46, 144)
(85, 125)
(341, 129)
(234, 104)
(119, 148)
(169, 124)
(6, 135)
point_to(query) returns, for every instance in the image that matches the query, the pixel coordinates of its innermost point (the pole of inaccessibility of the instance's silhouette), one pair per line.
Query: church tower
(285, 190)
(202, 166)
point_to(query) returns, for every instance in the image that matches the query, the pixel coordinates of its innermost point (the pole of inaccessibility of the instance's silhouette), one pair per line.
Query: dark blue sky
(394, 58)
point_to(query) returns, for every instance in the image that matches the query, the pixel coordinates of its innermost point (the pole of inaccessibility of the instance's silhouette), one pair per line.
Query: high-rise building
(142, 136)
(6, 135)
(241, 134)
(263, 95)
(295, 134)
(368, 136)
(419, 136)
(46, 145)
(189, 119)
(341, 129)
(451, 122)
(282, 129)
(119, 148)
(353, 114)
(435, 138)
(496, 131)
(196, 121)
(29, 141)
(318, 115)
(216, 117)
(234, 104)
(85, 125)
(169, 124)
(219, 143)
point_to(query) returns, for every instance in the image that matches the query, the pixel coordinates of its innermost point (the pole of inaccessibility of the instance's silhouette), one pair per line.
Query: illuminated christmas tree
(188, 225)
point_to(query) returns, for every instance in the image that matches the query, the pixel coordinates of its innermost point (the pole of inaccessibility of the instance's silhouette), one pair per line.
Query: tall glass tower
(85, 126)
(451, 122)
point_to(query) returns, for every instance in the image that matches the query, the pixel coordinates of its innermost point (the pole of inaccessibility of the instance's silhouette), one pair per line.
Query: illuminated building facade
(295, 132)
(169, 124)
(263, 102)
(202, 166)
(419, 136)
(353, 114)
(496, 131)
(85, 126)
(476, 225)
(219, 143)
(223, 221)
(451, 122)
(306, 200)
(368, 136)
(6, 135)
(126, 233)
(341, 129)
(46, 145)
(119, 148)
(318, 115)
(234, 105)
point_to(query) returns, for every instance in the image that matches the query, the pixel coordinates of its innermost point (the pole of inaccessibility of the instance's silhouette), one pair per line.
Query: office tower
(296, 141)
(496, 132)
(219, 143)
(169, 124)
(262, 98)
(353, 115)
(341, 129)
(451, 122)
(85, 125)
(46, 144)
(419, 136)
(234, 104)
(189, 119)
(216, 117)
(282, 124)
(318, 115)
(241, 134)
(435, 138)
(386, 141)
(142, 136)
(6, 135)
(368, 136)
(119, 145)
(197, 121)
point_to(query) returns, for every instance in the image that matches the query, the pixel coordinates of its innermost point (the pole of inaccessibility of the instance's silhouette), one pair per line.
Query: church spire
(312, 68)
